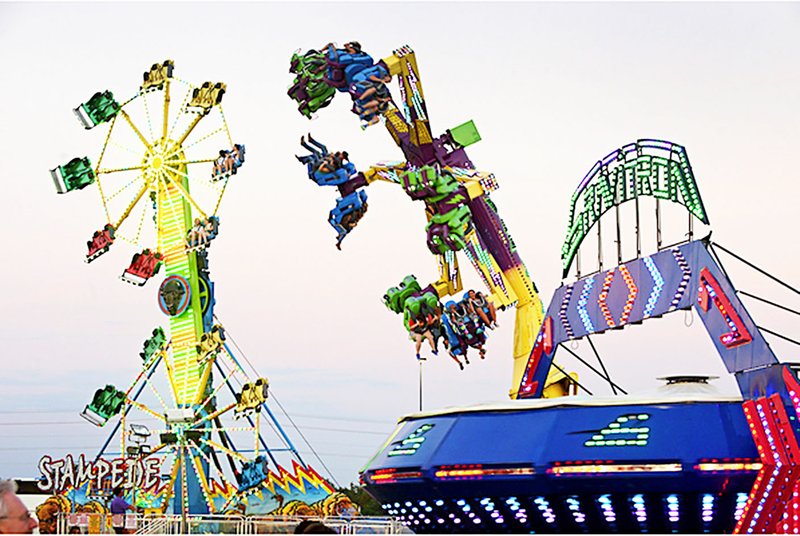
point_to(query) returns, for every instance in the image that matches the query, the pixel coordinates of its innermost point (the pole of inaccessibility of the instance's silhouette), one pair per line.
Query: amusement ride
(161, 174)
(685, 459)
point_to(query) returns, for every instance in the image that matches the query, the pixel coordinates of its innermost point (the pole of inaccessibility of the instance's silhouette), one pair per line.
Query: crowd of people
(460, 325)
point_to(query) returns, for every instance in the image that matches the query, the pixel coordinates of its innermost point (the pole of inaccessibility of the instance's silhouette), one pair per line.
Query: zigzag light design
(583, 300)
(633, 290)
(604, 295)
(658, 285)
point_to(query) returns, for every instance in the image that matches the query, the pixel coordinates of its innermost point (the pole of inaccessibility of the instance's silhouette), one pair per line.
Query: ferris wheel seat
(100, 243)
(206, 97)
(210, 344)
(106, 403)
(228, 162)
(153, 345)
(158, 74)
(100, 109)
(92, 417)
(76, 174)
(254, 472)
(251, 398)
(143, 266)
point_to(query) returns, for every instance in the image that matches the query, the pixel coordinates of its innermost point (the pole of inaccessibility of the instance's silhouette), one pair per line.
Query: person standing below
(14, 516)
(119, 506)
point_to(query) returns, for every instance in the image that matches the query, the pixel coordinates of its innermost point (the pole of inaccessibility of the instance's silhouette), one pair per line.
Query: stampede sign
(58, 475)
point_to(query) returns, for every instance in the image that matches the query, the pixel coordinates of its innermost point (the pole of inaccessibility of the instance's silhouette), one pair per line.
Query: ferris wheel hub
(157, 158)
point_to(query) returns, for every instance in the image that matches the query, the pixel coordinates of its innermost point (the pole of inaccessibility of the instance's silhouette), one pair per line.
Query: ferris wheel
(161, 174)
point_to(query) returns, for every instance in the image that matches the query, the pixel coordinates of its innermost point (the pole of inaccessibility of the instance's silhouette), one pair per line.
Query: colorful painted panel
(669, 280)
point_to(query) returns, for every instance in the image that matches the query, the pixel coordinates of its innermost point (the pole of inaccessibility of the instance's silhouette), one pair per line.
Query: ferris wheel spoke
(189, 129)
(216, 391)
(187, 162)
(142, 407)
(183, 191)
(165, 122)
(131, 205)
(199, 140)
(134, 127)
(97, 168)
(105, 145)
(213, 415)
(118, 170)
(224, 449)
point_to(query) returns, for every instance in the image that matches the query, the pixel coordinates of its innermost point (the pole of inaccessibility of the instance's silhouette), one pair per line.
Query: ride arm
(403, 64)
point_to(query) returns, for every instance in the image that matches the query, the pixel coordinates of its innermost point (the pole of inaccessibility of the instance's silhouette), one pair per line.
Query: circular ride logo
(174, 295)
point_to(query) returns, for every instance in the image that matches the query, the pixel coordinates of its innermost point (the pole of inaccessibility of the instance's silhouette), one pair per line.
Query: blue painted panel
(683, 433)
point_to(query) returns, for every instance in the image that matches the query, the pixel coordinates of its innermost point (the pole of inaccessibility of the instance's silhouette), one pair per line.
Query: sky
(552, 87)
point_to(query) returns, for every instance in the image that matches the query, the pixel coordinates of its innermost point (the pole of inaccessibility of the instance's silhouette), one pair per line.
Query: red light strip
(387, 477)
(444, 474)
(616, 468)
(728, 466)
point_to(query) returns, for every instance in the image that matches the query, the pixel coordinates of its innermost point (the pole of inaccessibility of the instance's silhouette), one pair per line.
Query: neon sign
(653, 168)
(57, 475)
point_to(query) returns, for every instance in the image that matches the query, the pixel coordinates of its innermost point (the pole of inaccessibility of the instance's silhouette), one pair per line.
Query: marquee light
(724, 467)
(601, 300)
(652, 168)
(583, 300)
(610, 468)
(658, 285)
(388, 476)
(476, 472)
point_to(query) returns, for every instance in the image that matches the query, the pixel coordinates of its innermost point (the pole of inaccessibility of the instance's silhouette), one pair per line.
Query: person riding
(483, 308)
(419, 326)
